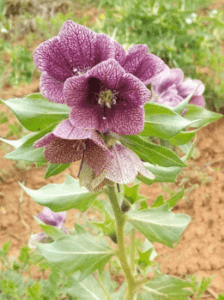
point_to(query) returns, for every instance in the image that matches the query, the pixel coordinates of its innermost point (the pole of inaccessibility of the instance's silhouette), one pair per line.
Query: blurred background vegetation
(186, 34)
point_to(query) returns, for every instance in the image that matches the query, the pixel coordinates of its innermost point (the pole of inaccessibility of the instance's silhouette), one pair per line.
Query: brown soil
(201, 248)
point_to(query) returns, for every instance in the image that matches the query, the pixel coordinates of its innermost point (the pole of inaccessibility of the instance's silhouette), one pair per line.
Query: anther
(113, 101)
(104, 118)
(100, 101)
(108, 105)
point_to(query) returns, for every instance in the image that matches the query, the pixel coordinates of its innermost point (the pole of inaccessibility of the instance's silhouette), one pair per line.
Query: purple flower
(123, 169)
(75, 50)
(51, 218)
(170, 89)
(107, 97)
(67, 143)
(138, 62)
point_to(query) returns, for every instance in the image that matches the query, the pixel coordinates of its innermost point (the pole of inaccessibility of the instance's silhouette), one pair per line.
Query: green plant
(178, 34)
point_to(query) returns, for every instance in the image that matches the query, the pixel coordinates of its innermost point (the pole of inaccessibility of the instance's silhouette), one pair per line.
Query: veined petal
(175, 76)
(104, 48)
(65, 130)
(96, 157)
(88, 118)
(120, 53)
(60, 151)
(150, 66)
(108, 72)
(78, 44)
(125, 166)
(51, 88)
(133, 90)
(134, 57)
(75, 90)
(46, 139)
(49, 57)
(127, 121)
(189, 85)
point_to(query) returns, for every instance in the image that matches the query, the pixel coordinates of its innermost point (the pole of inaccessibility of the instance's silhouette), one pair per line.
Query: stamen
(104, 118)
(78, 148)
(108, 105)
(84, 146)
(113, 101)
(100, 102)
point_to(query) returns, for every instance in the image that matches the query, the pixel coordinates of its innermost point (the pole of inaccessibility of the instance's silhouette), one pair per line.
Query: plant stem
(121, 253)
(132, 251)
(107, 294)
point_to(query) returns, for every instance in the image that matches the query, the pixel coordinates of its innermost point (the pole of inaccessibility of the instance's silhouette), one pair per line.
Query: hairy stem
(121, 253)
(132, 251)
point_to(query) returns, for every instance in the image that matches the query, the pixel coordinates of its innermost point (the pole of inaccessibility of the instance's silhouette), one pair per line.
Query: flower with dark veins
(107, 97)
(122, 169)
(170, 89)
(66, 144)
(74, 51)
(138, 62)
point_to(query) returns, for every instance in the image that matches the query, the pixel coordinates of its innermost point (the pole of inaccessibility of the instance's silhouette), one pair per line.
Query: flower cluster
(170, 88)
(105, 86)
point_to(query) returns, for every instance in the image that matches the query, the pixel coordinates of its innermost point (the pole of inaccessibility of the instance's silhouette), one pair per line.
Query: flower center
(107, 98)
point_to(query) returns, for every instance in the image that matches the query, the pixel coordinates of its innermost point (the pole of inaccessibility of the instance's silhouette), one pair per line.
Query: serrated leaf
(163, 122)
(162, 174)
(152, 153)
(165, 287)
(160, 224)
(61, 197)
(35, 113)
(55, 169)
(81, 252)
(206, 116)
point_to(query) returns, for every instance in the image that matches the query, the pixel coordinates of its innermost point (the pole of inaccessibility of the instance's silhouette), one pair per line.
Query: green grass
(176, 32)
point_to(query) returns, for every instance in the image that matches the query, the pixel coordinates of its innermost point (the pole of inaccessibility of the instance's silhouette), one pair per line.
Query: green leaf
(35, 113)
(132, 193)
(162, 122)
(61, 197)
(162, 174)
(158, 202)
(88, 289)
(188, 149)
(165, 287)
(55, 169)
(182, 105)
(52, 231)
(81, 252)
(173, 201)
(160, 224)
(152, 153)
(182, 137)
(206, 116)
(220, 297)
(107, 226)
(24, 149)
